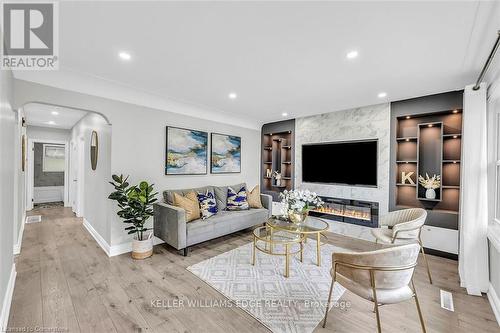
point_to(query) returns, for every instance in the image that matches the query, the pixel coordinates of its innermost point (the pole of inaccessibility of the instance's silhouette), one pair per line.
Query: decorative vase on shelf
(297, 217)
(430, 193)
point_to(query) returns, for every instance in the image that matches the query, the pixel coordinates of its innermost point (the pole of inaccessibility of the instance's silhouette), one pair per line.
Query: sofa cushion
(223, 223)
(189, 203)
(237, 198)
(168, 195)
(253, 197)
(208, 206)
(221, 195)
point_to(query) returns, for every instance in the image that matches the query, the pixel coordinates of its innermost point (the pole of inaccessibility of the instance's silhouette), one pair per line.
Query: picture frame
(186, 151)
(225, 153)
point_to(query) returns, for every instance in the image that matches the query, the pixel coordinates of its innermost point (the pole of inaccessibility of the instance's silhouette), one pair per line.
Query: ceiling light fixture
(455, 136)
(430, 125)
(232, 95)
(125, 55)
(284, 114)
(382, 95)
(352, 54)
(408, 117)
(54, 113)
(51, 122)
(455, 111)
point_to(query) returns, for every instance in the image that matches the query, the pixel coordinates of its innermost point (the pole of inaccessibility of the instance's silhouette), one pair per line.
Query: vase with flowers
(430, 184)
(298, 203)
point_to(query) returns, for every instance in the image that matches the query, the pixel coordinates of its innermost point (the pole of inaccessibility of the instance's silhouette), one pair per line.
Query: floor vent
(447, 300)
(34, 219)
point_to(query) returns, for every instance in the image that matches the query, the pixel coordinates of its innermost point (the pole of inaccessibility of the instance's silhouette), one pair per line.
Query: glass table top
(277, 236)
(309, 226)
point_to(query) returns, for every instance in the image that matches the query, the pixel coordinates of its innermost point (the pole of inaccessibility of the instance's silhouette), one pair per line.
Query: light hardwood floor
(65, 280)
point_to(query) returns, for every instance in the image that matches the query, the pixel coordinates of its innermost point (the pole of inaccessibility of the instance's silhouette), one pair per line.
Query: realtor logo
(30, 32)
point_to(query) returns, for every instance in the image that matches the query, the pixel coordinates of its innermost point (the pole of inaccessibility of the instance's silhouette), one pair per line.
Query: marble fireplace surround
(369, 122)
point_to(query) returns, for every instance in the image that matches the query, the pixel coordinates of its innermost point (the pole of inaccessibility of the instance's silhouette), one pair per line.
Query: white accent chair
(405, 227)
(381, 276)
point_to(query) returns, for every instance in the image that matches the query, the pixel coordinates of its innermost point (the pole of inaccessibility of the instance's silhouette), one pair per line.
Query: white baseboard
(98, 238)
(113, 250)
(4, 315)
(17, 246)
(494, 302)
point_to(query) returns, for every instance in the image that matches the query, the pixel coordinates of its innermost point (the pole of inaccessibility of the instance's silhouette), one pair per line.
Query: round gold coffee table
(311, 226)
(277, 243)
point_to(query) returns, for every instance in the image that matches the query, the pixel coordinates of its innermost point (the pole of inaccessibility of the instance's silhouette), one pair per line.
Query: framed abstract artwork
(225, 156)
(186, 152)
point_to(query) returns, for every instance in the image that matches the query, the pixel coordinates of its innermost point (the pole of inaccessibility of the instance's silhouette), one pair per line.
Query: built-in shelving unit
(278, 155)
(426, 137)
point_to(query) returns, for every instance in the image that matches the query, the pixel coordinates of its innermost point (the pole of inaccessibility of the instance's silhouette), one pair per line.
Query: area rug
(294, 304)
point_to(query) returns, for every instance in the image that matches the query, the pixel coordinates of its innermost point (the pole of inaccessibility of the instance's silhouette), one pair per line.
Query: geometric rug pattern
(295, 304)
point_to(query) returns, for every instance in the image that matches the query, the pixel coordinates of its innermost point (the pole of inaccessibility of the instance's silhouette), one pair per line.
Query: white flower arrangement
(433, 182)
(300, 200)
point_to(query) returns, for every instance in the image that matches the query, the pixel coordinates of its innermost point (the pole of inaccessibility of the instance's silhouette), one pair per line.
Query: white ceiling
(277, 56)
(41, 114)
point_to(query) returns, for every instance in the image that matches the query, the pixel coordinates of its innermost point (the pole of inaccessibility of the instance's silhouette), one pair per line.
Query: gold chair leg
(328, 302)
(425, 260)
(418, 307)
(318, 249)
(372, 278)
(287, 260)
(254, 250)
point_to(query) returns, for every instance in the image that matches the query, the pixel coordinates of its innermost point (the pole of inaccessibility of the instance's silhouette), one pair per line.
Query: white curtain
(473, 255)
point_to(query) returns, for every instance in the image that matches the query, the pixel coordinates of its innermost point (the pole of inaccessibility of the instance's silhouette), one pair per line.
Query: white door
(76, 176)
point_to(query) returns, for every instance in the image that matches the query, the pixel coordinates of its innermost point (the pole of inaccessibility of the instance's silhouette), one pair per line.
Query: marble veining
(370, 122)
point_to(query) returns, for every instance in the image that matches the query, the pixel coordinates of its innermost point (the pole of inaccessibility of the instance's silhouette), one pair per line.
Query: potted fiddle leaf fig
(136, 207)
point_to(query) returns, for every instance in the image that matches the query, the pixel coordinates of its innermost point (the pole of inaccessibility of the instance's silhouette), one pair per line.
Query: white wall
(138, 143)
(96, 189)
(48, 133)
(20, 180)
(370, 122)
(8, 131)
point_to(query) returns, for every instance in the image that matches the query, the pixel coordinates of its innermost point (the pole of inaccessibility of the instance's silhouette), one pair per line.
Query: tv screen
(348, 163)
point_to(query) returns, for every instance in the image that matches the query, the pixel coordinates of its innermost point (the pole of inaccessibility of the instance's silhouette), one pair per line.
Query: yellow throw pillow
(253, 198)
(190, 204)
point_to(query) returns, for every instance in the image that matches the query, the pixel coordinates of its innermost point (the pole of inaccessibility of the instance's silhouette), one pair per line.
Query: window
(53, 158)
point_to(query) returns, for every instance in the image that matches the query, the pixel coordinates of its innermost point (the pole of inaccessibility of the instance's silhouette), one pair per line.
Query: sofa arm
(267, 202)
(170, 224)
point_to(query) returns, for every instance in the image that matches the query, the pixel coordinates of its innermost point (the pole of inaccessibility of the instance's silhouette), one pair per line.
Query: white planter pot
(142, 249)
(430, 193)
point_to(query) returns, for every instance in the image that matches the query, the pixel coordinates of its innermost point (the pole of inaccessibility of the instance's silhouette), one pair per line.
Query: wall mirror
(94, 150)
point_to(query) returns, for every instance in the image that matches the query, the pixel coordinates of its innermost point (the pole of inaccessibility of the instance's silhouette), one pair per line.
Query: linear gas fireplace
(358, 212)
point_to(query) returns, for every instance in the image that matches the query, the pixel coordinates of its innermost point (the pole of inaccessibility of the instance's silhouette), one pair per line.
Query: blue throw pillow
(208, 205)
(237, 200)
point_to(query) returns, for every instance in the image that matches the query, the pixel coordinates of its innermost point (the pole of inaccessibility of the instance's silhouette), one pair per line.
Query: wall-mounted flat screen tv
(345, 163)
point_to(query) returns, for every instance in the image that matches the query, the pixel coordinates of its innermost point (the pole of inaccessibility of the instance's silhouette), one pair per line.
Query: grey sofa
(170, 221)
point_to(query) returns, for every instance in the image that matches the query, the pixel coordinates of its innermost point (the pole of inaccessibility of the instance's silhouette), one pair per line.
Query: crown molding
(96, 86)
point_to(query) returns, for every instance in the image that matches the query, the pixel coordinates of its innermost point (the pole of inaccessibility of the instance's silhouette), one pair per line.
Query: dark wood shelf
(287, 162)
(406, 161)
(268, 162)
(286, 147)
(281, 186)
(286, 178)
(451, 161)
(268, 148)
(401, 184)
(410, 138)
(457, 187)
(452, 136)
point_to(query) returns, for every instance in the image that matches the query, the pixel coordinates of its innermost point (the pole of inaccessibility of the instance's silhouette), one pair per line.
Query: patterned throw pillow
(208, 205)
(237, 200)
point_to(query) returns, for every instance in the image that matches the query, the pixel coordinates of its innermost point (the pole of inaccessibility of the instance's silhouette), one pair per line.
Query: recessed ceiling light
(455, 136)
(284, 114)
(232, 95)
(51, 122)
(408, 117)
(430, 125)
(54, 113)
(125, 55)
(382, 95)
(352, 54)
(455, 111)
